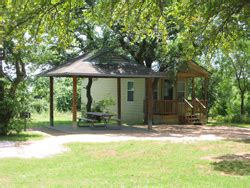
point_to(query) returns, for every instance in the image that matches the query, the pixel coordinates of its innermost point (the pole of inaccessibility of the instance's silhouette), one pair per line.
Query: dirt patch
(54, 144)
(196, 130)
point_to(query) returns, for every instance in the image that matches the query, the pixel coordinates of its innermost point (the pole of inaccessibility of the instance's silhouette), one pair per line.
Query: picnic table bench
(83, 119)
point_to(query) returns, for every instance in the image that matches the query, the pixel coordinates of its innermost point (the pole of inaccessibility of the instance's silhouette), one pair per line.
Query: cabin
(140, 94)
(174, 96)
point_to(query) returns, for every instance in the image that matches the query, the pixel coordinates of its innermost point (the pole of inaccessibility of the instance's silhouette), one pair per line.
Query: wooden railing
(200, 106)
(189, 108)
(165, 107)
(168, 107)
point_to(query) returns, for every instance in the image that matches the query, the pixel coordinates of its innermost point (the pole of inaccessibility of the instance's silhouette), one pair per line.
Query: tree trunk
(3, 130)
(7, 110)
(88, 94)
(242, 105)
(2, 124)
(1, 62)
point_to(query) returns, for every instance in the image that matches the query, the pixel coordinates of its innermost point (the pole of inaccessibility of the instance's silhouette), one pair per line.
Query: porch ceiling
(193, 70)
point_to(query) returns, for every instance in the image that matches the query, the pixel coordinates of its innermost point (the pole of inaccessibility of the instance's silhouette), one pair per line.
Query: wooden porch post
(149, 99)
(51, 100)
(176, 94)
(193, 95)
(205, 88)
(119, 99)
(74, 102)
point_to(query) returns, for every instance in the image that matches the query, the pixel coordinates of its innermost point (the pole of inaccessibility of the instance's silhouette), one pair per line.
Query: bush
(63, 94)
(16, 125)
(103, 105)
(237, 118)
(39, 105)
(219, 118)
(240, 119)
(10, 109)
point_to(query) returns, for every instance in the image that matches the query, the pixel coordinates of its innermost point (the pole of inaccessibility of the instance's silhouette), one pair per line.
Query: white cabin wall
(104, 88)
(132, 112)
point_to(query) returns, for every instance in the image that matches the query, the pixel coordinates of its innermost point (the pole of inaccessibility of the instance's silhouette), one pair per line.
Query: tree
(240, 65)
(23, 27)
(148, 30)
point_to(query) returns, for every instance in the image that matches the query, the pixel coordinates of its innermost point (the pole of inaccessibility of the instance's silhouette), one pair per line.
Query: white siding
(105, 88)
(132, 112)
(102, 88)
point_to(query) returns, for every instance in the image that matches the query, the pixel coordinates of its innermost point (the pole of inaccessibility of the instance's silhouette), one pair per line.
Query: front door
(168, 90)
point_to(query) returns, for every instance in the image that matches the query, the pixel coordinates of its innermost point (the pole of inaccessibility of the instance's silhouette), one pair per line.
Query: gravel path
(52, 145)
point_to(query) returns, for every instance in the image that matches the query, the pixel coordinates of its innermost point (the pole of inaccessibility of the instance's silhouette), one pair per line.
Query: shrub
(240, 118)
(103, 105)
(39, 105)
(10, 109)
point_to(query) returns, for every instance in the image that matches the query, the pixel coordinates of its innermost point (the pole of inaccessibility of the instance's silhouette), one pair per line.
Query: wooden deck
(173, 111)
(174, 107)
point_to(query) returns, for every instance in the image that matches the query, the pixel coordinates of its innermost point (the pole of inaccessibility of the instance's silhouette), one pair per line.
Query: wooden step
(193, 119)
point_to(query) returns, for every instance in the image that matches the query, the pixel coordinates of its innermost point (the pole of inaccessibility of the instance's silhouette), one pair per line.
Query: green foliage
(16, 125)
(229, 83)
(39, 105)
(40, 95)
(10, 109)
(37, 32)
(241, 119)
(64, 92)
(103, 105)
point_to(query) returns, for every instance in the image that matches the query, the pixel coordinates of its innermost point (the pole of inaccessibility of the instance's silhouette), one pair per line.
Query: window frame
(131, 90)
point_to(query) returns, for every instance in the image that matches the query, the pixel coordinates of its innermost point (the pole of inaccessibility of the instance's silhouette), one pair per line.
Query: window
(181, 91)
(130, 91)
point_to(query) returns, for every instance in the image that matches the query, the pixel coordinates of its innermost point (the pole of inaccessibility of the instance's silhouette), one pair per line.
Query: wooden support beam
(51, 100)
(193, 89)
(176, 94)
(193, 94)
(149, 101)
(119, 99)
(74, 100)
(205, 88)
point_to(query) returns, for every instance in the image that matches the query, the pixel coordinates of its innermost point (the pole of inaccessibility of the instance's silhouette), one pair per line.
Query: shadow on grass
(21, 137)
(245, 141)
(47, 123)
(214, 123)
(233, 164)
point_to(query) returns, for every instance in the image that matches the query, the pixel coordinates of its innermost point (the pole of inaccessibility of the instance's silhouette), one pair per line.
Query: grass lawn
(134, 164)
(60, 119)
(42, 119)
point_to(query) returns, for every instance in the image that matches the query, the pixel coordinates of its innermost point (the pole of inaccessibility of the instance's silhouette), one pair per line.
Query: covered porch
(183, 97)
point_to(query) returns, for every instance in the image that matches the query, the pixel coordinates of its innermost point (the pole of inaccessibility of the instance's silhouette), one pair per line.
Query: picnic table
(99, 116)
(94, 117)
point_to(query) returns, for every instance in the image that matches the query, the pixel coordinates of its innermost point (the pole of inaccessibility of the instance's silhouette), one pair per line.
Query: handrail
(189, 104)
(203, 106)
(165, 106)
